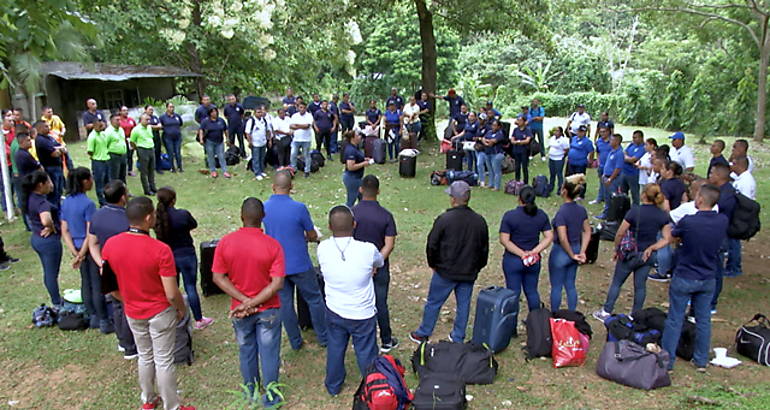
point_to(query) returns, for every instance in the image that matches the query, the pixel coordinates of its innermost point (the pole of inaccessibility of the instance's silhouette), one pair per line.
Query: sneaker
(531, 158)
(386, 347)
(106, 326)
(594, 202)
(130, 356)
(10, 259)
(452, 340)
(417, 338)
(173, 170)
(121, 349)
(601, 315)
(152, 404)
(273, 397)
(658, 277)
(4, 267)
(307, 175)
(214, 174)
(131, 174)
(713, 312)
(544, 159)
(259, 177)
(181, 170)
(600, 217)
(263, 174)
(698, 368)
(691, 319)
(159, 172)
(203, 323)
(227, 175)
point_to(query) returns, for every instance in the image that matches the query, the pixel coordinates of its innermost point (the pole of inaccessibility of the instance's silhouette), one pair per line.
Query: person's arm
(664, 240)
(390, 243)
(67, 236)
(351, 165)
(251, 305)
(505, 240)
(174, 296)
(95, 249)
(433, 247)
(568, 129)
(191, 222)
(226, 137)
(48, 227)
(612, 177)
(156, 127)
(224, 283)
(545, 242)
(561, 231)
(585, 239)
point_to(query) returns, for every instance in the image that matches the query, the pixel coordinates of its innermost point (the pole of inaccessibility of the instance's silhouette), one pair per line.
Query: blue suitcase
(497, 311)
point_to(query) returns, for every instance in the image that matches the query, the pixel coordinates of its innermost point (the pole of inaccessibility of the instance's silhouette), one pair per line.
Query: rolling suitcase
(407, 166)
(207, 259)
(454, 160)
(368, 149)
(619, 206)
(304, 319)
(497, 312)
(378, 150)
(592, 251)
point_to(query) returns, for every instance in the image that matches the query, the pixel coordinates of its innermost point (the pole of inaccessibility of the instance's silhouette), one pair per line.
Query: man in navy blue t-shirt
(50, 154)
(720, 177)
(234, 112)
(203, 110)
(630, 173)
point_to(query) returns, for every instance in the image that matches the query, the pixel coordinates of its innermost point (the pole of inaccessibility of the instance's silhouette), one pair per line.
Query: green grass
(51, 369)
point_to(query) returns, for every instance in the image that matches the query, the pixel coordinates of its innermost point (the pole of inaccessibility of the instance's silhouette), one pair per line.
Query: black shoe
(149, 193)
(417, 338)
(387, 347)
(173, 170)
(180, 170)
(4, 267)
(658, 277)
(10, 259)
(307, 175)
(159, 172)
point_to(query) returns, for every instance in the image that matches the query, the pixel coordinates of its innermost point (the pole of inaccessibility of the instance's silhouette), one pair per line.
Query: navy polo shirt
(202, 111)
(172, 125)
(571, 215)
(499, 137)
(314, 106)
(646, 221)
(454, 104)
(352, 152)
(154, 120)
(234, 114)
(333, 108)
(716, 160)
(372, 115)
(77, 211)
(286, 221)
(579, 150)
(635, 151)
(36, 205)
(702, 237)
(289, 100)
(461, 119)
(181, 222)
(214, 131)
(398, 100)
(25, 163)
(519, 134)
(603, 148)
(524, 229)
(373, 223)
(606, 124)
(324, 120)
(346, 116)
(424, 105)
(89, 118)
(673, 189)
(727, 201)
(45, 145)
(108, 221)
(615, 160)
(471, 130)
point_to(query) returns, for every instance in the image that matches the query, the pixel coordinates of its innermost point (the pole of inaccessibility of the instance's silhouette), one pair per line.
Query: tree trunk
(429, 65)
(195, 62)
(759, 125)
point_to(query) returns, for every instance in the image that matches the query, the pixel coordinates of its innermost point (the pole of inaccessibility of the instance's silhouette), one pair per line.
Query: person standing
(425, 110)
(604, 122)
(213, 136)
(459, 120)
(716, 149)
(373, 117)
(155, 126)
(603, 148)
(455, 102)
(324, 121)
(491, 159)
(253, 280)
(203, 110)
(579, 118)
(282, 138)
(142, 142)
(50, 154)
(577, 158)
(128, 124)
(314, 105)
(97, 149)
(457, 250)
(395, 99)
(610, 180)
(172, 227)
(720, 177)
(394, 119)
(152, 300)
(55, 124)
(288, 221)
(172, 136)
(355, 162)
(470, 136)
(521, 136)
(681, 153)
(520, 232)
(573, 232)
(538, 116)
(744, 183)
(630, 173)
(646, 176)
(234, 113)
(116, 148)
(256, 131)
(289, 101)
(335, 134)
(376, 225)
(347, 113)
(646, 222)
(412, 121)
(24, 164)
(300, 124)
(91, 114)
(695, 275)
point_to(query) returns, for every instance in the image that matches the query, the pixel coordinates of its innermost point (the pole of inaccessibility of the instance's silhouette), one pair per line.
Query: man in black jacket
(458, 248)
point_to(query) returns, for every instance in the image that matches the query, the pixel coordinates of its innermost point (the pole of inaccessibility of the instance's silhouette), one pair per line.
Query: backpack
(542, 188)
(183, 346)
(539, 338)
(43, 316)
(513, 187)
(574, 316)
(745, 221)
(471, 178)
(508, 165)
(317, 157)
(70, 320)
(438, 178)
(383, 386)
(232, 156)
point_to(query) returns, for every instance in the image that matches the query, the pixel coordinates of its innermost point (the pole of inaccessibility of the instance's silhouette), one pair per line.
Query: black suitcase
(207, 260)
(440, 392)
(304, 319)
(378, 150)
(407, 166)
(592, 252)
(497, 313)
(619, 206)
(506, 129)
(454, 160)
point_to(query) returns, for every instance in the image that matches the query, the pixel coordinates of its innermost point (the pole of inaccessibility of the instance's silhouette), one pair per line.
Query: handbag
(628, 249)
(446, 146)
(478, 146)
(469, 145)
(754, 341)
(630, 364)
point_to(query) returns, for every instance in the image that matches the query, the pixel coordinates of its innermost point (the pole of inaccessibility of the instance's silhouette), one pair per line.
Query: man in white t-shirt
(681, 153)
(578, 118)
(258, 135)
(282, 138)
(347, 266)
(744, 182)
(302, 125)
(689, 208)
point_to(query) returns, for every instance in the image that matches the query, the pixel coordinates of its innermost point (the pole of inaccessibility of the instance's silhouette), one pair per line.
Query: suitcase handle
(761, 319)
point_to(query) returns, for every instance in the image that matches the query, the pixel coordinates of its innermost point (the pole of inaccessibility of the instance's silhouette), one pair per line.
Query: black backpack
(472, 363)
(745, 222)
(542, 188)
(72, 321)
(233, 156)
(440, 392)
(318, 158)
(539, 337)
(581, 324)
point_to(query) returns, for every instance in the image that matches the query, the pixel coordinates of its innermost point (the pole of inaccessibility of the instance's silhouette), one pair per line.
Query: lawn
(51, 369)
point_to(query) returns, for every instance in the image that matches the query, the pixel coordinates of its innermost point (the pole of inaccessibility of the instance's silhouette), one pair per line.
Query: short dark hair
(114, 191)
(720, 143)
(722, 170)
(252, 210)
(19, 109)
(46, 107)
(370, 185)
(710, 194)
(138, 208)
(639, 132)
(743, 142)
(618, 136)
(37, 123)
(113, 116)
(20, 136)
(341, 219)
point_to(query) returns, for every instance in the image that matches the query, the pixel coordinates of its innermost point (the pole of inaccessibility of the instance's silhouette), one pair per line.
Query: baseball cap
(451, 91)
(483, 116)
(677, 136)
(459, 189)
(582, 128)
(581, 106)
(489, 103)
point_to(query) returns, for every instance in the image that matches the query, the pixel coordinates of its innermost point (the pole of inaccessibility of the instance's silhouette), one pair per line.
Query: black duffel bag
(754, 341)
(470, 362)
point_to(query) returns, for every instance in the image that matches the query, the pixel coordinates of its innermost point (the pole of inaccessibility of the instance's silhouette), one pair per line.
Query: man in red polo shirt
(253, 280)
(152, 301)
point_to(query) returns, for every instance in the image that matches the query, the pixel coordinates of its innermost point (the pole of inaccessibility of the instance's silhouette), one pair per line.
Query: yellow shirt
(56, 125)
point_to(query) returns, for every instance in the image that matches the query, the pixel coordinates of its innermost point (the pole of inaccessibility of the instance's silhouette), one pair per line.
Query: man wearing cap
(458, 248)
(681, 153)
(536, 125)
(578, 118)
(395, 99)
(455, 102)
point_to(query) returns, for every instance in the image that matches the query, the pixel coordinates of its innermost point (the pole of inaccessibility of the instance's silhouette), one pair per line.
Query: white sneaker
(531, 158)
(601, 315)
(264, 175)
(544, 159)
(594, 202)
(259, 177)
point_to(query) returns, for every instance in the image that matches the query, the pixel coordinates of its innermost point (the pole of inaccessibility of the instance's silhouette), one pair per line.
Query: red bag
(568, 348)
(446, 146)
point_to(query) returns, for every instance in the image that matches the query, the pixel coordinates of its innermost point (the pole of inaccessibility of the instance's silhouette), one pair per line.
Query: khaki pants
(155, 338)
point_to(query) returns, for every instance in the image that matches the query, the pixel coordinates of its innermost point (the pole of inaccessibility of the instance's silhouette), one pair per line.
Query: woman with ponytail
(172, 227)
(520, 236)
(573, 232)
(671, 185)
(76, 212)
(645, 223)
(44, 221)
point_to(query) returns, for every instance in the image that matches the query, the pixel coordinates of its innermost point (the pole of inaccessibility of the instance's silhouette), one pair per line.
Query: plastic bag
(568, 348)
(446, 146)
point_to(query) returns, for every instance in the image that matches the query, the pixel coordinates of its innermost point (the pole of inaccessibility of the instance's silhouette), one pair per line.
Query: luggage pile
(563, 335)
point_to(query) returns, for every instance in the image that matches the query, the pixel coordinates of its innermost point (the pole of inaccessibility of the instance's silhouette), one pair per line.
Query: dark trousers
(522, 161)
(576, 169)
(381, 289)
(91, 285)
(130, 159)
(323, 138)
(101, 171)
(147, 169)
(237, 132)
(187, 266)
(17, 187)
(538, 135)
(346, 124)
(122, 331)
(57, 177)
(118, 167)
(49, 250)
(282, 150)
(156, 141)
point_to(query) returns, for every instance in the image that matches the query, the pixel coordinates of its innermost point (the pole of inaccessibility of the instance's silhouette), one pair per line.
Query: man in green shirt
(142, 141)
(117, 148)
(96, 146)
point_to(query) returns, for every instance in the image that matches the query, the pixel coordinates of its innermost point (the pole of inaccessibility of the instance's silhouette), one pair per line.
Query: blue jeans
(630, 183)
(218, 149)
(101, 170)
(624, 269)
(608, 191)
(258, 155)
(495, 164)
(439, 291)
(259, 337)
(481, 164)
(57, 177)
(556, 168)
(341, 330)
(352, 184)
(522, 162)
(600, 194)
(733, 267)
(187, 266)
(518, 276)
(720, 273)
(471, 157)
(394, 147)
(563, 272)
(307, 283)
(50, 251)
(296, 147)
(679, 292)
(381, 289)
(174, 150)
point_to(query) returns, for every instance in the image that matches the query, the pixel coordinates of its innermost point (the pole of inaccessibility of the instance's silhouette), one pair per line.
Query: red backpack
(383, 386)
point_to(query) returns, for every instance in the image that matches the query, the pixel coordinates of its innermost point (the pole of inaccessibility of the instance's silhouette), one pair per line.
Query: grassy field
(51, 369)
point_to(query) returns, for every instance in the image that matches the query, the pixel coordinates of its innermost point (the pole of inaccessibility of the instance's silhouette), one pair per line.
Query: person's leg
(231, 131)
(146, 363)
(210, 160)
(87, 293)
(294, 153)
(381, 289)
(98, 175)
(570, 280)
(306, 154)
(364, 334)
(269, 348)
(100, 305)
(640, 280)
(156, 148)
(481, 162)
(582, 170)
(188, 266)
(50, 252)
(463, 296)
(622, 270)
(679, 292)
(600, 191)
(633, 186)
(246, 330)
(553, 173)
(163, 334)
(220, 151)
(335, 352)
(517, 165)
(327, 137)
(288, 314)
(307, 284)
(438, 292)
(720, 275)
(557, 271)
(130, 159)
(351, 187)
(122, 330)
(734, 250)
(170, 151)
(497, 170)
(319, 136)
(539, 134)
(178, 152)
(525, 166)
(397, 142)
(255, 166)
(608, 191)
(513, 269)
(144, 165)
(262, 152)
(560, 175)
(122, 171)
(530, 280)
(701, 306)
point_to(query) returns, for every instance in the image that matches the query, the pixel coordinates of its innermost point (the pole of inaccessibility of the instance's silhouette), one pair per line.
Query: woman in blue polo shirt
(213, 136)
(393, 120)
(172, 136)
(520, 232)
(373, 117)
(469, 137)
(672, 187)
(645, 222)
(492, 157)
(76, 212)
(46, 230)
(521, 136)
(354, 167)
(577, 157)
(573, 232)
